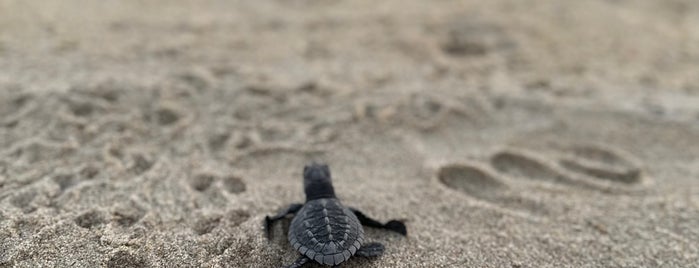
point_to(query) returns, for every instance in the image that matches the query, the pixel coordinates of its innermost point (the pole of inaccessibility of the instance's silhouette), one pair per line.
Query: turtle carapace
(323, 229)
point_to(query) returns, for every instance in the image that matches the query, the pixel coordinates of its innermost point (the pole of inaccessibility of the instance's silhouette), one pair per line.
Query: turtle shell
(326, 231)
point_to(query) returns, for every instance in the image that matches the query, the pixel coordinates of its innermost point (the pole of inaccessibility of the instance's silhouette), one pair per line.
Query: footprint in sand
(519, 164)
(474, 37)
(484, 184)
(23, 200)
(14, 106)
(602, 162)
(578, 166)
(231, 183)
(206, 223)
(90, 219)
(127, 214)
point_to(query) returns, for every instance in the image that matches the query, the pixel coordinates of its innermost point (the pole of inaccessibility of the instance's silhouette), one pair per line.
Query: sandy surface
(505, 133)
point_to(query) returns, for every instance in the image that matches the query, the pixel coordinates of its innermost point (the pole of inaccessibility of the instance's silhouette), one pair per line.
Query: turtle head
(317, 182)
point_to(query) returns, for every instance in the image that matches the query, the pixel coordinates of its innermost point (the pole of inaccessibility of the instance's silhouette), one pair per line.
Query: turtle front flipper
(392, 225)
(299, 262)
(293, 208)
(370, 250)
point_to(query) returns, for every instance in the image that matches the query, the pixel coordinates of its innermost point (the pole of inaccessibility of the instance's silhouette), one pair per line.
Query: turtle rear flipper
(370, 250)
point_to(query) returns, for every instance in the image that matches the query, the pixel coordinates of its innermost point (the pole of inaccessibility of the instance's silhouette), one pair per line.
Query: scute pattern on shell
(326, 231)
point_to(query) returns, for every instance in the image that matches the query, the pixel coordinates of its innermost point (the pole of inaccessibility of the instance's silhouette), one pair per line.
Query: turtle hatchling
(323, 229)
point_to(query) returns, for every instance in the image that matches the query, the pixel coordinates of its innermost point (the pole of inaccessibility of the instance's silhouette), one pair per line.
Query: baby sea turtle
(324, 229)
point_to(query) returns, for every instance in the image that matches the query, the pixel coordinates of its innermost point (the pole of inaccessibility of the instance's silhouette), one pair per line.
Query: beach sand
(504, 133)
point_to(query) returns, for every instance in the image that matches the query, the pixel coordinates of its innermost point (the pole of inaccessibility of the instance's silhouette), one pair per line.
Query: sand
(505, 133)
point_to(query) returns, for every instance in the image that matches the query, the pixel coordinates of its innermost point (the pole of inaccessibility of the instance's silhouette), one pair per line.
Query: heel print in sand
(484, 184)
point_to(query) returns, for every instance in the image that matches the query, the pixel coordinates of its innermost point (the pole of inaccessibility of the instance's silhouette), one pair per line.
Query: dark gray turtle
(323, 229)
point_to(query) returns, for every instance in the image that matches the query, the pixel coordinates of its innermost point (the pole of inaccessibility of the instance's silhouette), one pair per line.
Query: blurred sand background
(505, 133)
